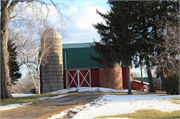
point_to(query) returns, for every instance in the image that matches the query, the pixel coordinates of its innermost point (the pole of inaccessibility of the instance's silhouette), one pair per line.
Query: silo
(110, 74)
(52, 62)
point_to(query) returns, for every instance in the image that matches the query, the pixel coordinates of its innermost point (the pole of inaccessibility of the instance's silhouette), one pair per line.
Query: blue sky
(82, 3)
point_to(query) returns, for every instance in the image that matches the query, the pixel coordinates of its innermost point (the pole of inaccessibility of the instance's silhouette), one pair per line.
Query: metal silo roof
(51, 33)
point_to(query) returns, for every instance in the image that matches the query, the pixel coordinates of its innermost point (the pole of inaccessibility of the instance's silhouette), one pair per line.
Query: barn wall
(95, 81)
(64, 78)
(124, 75)
(137, 86)
(111, 78)
(145, 79)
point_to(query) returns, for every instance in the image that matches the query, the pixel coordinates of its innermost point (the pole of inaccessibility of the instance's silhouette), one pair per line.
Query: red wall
(124, 75)
(137, 86)
(95, 82)
(64, 78)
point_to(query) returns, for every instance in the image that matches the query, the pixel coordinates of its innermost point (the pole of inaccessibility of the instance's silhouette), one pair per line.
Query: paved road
(47, 108)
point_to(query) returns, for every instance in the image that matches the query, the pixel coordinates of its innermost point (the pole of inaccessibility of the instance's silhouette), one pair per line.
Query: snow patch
(22, 95)
(11, 106)
(54, 97)
(91, 89)
(108, 105)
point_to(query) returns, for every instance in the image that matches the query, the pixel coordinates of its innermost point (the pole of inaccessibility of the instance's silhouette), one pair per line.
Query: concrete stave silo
(52, 63)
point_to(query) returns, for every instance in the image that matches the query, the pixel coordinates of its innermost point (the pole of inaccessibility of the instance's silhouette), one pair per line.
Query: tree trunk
(142, 82)
(162, 79)
(148, 67)
(39, 83)
(34, 82)
(128, 80)
(5, 79)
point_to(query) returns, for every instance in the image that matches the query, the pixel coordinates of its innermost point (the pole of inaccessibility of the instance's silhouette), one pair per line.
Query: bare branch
(12, 17)
(12, 6)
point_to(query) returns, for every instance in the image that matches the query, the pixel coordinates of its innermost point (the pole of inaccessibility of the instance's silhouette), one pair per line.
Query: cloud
(81, 30)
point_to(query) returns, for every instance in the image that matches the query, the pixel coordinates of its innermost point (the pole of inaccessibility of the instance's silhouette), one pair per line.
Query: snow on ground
(22, 95)
(114, 91)
(65, 90)
(54, 97)
(90, 89)
(10, 106)
(81, 89)
(107, 105)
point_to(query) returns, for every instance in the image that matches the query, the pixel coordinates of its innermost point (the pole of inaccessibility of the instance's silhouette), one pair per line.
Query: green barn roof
(77, 45)
(145, 79)
(78, 56)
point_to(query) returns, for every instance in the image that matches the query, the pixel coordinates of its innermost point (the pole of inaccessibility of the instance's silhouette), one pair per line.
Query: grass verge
(19, 100)
(175, 100)
(138, 93)
(142, 114)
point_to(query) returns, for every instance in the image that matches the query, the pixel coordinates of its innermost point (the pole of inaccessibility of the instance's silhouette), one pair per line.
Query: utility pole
(67, 81)
(166, 68)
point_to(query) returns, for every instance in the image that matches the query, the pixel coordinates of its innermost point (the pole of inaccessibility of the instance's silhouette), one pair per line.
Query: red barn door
(79, 78)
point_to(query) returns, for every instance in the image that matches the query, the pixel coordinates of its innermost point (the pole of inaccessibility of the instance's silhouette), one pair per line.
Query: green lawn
(138, 93)
(144, 114)
(175, 100)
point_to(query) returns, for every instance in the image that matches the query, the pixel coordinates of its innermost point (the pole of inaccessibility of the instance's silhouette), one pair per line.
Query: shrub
(171, 84)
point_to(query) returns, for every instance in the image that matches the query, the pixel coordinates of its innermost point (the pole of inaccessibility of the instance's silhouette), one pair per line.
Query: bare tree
(31, 49)
(24, 85)
(167, 55)
(7, 8)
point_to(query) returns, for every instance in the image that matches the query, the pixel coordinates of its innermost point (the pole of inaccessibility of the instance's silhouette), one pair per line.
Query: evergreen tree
(118, 38)
(13, 65)
(148, 13)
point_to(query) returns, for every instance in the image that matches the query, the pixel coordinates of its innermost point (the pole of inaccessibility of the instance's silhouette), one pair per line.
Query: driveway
(48, 108)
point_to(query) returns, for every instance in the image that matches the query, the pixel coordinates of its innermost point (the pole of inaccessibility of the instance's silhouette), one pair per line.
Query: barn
(70, 65)
(78, 67)
(79, 70)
